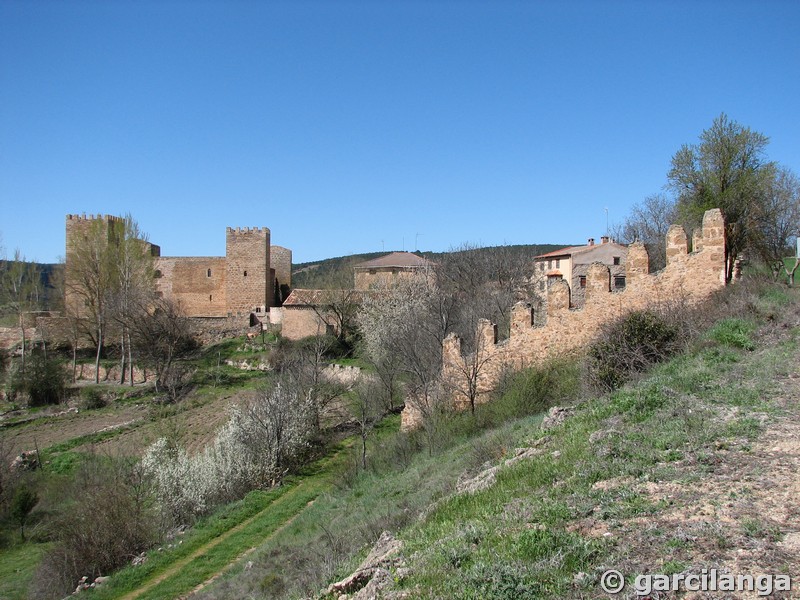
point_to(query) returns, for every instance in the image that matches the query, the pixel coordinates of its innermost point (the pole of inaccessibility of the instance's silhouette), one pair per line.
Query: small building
(572, 263)
(386, 271)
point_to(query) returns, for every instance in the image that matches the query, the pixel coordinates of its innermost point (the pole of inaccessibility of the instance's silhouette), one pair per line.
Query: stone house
(571, 264)
(386, 271)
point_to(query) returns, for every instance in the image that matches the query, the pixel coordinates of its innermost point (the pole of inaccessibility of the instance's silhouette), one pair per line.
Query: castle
(252, 276)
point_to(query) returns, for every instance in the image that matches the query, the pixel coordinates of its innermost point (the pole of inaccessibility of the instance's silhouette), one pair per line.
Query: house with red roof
(571, 264)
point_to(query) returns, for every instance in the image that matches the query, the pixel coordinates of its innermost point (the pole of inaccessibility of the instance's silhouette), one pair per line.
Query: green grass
(17, 568)
(260, 514)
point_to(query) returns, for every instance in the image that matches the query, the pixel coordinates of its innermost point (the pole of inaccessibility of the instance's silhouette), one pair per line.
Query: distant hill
(338, 272)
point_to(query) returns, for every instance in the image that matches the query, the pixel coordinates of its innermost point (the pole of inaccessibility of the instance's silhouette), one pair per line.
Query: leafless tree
(161, 337)
(20, 292)
(649, 222)
(778, 221)
(367, 409)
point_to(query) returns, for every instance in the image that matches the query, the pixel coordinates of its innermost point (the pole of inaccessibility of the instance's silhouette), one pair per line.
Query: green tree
(726, 170)
(24, 501)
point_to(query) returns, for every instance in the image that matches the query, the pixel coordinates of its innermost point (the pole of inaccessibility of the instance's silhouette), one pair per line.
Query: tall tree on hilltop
(726, 170)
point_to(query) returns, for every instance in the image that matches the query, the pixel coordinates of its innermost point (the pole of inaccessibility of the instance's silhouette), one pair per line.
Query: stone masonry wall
(247, 279)
(196, 283)
(690, 278)
(300, 322)
(281, 260)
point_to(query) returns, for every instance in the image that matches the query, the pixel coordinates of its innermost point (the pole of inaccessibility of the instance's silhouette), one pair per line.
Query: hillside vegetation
(692, 465)
(338, 271)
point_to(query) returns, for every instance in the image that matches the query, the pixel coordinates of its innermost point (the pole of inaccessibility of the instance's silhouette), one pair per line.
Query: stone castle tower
(248, 283)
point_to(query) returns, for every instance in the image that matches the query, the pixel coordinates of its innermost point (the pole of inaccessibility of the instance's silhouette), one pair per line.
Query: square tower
(248, 285)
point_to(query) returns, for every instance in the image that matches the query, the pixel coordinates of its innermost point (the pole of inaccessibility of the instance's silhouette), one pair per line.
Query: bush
(531, 391)
(733, 332)
(44, 381)
(630, 346)
(107, 518)
(92, 398)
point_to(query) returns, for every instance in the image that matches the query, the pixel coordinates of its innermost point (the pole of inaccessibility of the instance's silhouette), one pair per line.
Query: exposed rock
(27, 461)
(373, 574)
(556, 416)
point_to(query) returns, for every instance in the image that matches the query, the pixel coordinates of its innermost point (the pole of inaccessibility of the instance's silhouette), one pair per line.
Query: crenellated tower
(248, 284)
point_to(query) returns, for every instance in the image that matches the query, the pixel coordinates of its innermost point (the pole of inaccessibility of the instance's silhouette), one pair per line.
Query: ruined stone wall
(688, 278)
(248, 285)
(196, 283)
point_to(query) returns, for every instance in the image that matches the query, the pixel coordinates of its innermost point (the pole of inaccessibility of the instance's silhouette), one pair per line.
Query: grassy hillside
(673, 474)
(693, 466)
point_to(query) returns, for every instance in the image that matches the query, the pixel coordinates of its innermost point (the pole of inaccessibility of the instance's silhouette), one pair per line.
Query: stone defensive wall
(689, 278)
(196, 282)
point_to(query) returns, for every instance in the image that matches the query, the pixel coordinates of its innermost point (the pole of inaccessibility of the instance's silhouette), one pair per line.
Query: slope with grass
(692, 467)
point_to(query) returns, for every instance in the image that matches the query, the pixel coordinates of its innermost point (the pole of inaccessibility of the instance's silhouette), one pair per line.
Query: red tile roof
(396, 259)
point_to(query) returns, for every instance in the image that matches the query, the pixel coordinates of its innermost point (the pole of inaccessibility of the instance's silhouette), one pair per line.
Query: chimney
(604, 239)
(591, 241)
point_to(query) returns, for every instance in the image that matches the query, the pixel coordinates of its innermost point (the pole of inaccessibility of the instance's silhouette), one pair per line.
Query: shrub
(107, 518)
(44, 380)
(92, 398)
(733, 332)
(629, 346)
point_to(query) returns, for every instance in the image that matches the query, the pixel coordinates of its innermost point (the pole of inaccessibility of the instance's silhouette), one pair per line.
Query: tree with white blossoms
(252, 450)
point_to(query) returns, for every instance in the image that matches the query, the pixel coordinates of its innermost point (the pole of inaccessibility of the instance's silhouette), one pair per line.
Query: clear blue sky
(350, 127)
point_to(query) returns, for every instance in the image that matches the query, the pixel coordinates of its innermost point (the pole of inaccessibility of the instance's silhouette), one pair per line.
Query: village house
(571, 264)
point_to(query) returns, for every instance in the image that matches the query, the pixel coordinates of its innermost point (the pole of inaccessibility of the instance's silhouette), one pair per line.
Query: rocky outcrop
(374, 575)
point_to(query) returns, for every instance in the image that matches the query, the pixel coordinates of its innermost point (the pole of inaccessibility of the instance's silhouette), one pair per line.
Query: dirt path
(211, 580)
(179, 565)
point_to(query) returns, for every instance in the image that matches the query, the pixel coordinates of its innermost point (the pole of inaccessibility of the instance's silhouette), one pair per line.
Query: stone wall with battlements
(689, 277)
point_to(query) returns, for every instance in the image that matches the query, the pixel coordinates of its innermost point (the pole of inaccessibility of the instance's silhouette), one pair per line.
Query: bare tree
(90, 277)
(162, 336)
(778, 221)
(649, 222)
(367, 409)
(20, 289)
(406, 324)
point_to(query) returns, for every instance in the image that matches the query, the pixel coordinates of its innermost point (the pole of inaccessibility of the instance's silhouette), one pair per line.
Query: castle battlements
(689, 278)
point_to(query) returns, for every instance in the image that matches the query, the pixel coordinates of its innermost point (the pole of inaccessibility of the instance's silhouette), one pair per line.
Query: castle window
(208, 273)
(582, 280)
(209, 297)
(616, 261)
(558, 263)
(619, 282)
(245, 273)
